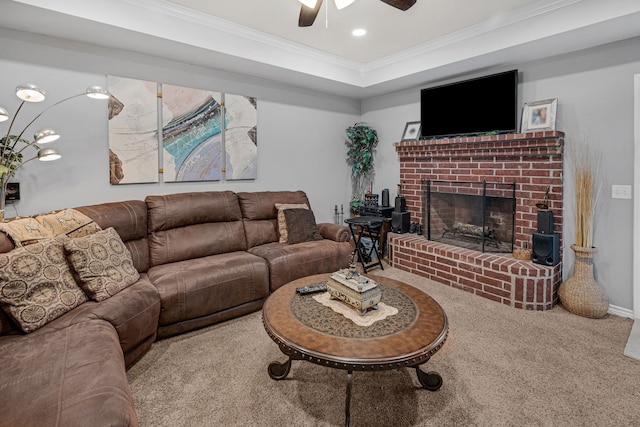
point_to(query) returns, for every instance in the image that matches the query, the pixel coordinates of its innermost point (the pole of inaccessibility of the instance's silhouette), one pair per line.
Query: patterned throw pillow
(102, 263)
(70, 222)
(282, 223)
(28, 230)
(36, 284)
(301, 226)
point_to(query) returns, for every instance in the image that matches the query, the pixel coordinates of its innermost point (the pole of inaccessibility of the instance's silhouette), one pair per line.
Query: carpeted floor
(501, 367)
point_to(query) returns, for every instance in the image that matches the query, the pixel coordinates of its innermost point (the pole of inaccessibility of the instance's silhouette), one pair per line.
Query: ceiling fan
(310, 8)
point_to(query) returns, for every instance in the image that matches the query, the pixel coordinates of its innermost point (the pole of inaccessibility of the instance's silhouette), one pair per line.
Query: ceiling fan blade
(400, 4)
(308, 14)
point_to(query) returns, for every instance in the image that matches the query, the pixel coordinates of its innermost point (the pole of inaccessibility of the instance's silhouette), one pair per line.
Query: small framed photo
(539, 115)
(411, 131)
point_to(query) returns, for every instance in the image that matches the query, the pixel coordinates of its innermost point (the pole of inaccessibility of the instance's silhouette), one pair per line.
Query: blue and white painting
(191, 134)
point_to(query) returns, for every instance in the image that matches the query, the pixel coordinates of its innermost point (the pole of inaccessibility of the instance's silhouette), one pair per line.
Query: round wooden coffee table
(304, 329)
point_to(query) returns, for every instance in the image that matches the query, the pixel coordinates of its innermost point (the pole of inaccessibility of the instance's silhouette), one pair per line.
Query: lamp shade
(97, 92)
(309, 3)
(4, 115)
(48, 155)
(341, 4)
(44, 136)
(30, 93)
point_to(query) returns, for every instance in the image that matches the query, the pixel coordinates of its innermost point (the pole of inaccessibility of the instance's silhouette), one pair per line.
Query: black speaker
(545, 222)
(546, 248)
(385, 197)
(401, 204)
(400, 222)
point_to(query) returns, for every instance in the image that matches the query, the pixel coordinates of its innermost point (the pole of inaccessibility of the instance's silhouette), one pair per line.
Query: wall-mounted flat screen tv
(481, 105)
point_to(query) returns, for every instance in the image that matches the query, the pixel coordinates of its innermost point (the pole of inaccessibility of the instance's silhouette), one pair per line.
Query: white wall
(300, 132)
(595, 97)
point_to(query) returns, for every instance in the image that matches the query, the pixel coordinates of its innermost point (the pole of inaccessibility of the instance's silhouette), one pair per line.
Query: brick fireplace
(534, 162)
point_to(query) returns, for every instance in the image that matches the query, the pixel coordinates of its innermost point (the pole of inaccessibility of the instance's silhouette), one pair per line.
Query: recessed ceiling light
(359, 32)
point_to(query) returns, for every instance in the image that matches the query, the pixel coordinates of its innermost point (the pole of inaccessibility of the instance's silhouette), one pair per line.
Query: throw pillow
(36, 284)
(28, 230)
(282, 224)
(24, 231)
(301, 226)
(71, 222)
(102, 263)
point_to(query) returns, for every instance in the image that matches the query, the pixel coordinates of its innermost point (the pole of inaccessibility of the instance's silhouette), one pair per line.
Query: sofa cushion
(261, 216)
(102, 263)
(202, 286)
(36, 284)
(301, 226)
(282, 220)
(133, 312)
(69, 377)
(289, 262)
(193, 225)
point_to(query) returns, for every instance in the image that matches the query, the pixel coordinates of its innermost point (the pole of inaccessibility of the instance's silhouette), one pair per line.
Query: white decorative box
(358, 291)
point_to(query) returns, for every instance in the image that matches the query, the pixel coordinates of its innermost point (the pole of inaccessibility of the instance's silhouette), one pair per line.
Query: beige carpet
(501, 367)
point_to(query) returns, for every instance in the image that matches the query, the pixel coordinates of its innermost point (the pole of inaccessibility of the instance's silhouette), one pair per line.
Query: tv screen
(477, 106)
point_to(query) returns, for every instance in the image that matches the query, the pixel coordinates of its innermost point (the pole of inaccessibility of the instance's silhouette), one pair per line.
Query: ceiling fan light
(341, 4)
(309, 3)
(30, 93)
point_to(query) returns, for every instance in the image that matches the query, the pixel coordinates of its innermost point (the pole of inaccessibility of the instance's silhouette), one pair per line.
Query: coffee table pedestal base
(279, 371)
(431, 381)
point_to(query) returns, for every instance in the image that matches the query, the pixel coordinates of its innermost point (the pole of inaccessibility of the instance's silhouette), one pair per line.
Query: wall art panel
(241, 136)
(133, 131)
(191, 134)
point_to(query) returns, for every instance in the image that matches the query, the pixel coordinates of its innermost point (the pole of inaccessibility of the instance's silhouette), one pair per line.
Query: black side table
(367, 226)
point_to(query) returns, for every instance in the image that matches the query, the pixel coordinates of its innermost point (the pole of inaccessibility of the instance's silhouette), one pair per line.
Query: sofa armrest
(335, 232)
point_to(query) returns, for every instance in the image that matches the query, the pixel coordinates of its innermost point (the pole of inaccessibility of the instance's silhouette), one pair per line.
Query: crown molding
(237, 30)
(469, 33)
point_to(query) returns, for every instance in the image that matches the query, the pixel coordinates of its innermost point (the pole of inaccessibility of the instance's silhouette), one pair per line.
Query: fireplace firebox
(476, 215)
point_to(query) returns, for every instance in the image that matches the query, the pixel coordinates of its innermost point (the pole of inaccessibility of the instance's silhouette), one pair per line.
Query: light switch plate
(620, 191)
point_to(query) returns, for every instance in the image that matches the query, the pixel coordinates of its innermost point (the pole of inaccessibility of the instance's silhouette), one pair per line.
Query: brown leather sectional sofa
(203, 258)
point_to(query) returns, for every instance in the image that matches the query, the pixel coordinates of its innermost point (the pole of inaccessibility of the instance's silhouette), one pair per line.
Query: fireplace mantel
(533, 161)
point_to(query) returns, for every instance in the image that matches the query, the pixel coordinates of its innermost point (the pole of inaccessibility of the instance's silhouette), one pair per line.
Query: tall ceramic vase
(581, 294)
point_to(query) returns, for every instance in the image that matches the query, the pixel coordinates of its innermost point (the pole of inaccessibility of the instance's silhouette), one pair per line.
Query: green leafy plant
(10, 158)
(361, 142)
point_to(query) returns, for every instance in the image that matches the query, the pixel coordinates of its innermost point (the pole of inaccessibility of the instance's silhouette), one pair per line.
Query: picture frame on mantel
(411, 131)
(539, 115)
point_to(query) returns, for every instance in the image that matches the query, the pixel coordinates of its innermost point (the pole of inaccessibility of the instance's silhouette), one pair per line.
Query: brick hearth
(502, 278)
(534, 161)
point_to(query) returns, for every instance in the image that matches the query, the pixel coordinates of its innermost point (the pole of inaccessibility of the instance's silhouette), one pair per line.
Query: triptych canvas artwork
(179, 133)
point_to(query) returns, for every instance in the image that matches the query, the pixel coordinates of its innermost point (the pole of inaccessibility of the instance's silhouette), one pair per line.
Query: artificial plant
(361, 143)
